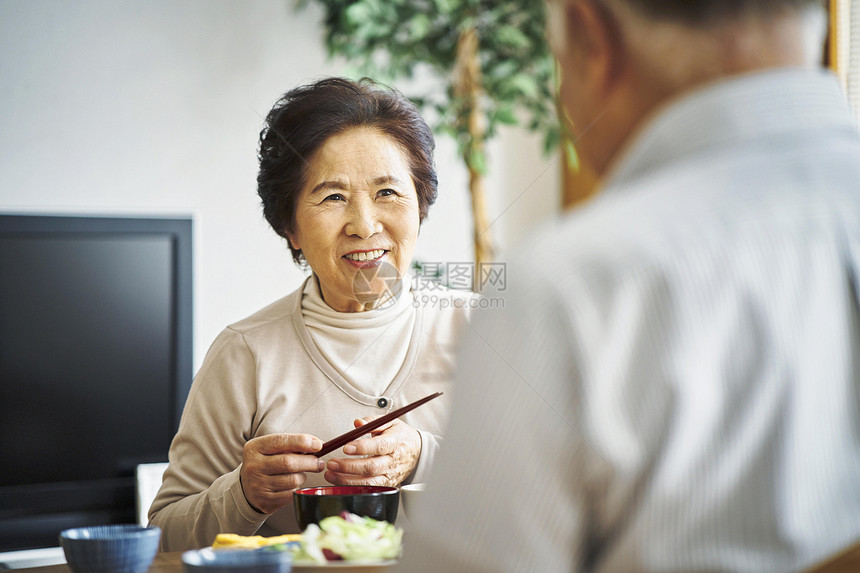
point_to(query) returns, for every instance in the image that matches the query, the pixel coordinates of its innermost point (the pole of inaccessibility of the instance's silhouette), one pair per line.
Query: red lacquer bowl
(313, 504)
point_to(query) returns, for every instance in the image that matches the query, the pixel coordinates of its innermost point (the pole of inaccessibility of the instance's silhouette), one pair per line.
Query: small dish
(110, 548)
(208, 560)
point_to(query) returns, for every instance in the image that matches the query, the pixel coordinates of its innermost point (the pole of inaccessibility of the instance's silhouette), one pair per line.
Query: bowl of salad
(347, 543)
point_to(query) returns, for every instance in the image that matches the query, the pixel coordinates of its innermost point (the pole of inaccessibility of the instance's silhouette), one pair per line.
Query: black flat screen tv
(95, 365)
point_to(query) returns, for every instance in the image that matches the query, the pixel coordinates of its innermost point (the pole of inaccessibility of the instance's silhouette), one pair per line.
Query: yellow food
(233, 541)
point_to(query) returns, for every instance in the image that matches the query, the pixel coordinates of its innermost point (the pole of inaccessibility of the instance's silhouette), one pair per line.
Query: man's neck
(663, 73)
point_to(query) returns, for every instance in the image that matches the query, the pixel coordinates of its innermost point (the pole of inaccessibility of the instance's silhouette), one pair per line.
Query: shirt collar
(743, 108)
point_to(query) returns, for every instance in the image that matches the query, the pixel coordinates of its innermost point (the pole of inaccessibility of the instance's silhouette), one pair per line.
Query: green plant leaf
(419, 27)
(506, 116)
(445, 6)
(476, 159)
(501, 69)
(391, 39)
(551, 140)
(525, 84)
(512, 37)
(571, 156)
(358, 14)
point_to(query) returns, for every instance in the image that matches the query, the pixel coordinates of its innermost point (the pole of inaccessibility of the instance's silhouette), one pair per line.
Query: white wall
(153, 107)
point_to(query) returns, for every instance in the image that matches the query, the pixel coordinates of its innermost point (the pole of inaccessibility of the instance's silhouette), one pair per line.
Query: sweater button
(382, 402)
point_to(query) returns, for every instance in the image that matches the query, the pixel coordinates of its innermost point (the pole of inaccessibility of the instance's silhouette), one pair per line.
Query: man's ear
(594, 43)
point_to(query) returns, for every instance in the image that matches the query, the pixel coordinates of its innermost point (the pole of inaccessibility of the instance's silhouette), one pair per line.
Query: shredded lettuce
(348, 537)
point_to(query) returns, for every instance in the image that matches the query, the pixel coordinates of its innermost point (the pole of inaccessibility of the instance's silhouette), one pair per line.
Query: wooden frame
(838, 36)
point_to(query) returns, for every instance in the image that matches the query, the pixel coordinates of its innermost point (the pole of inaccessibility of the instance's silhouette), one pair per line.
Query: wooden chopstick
(343, 439)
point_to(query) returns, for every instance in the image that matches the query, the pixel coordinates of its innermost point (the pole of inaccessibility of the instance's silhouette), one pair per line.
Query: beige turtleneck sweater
(268, 374)
(366, 348)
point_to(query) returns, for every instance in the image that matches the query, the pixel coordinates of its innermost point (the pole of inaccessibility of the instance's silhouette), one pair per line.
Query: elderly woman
(347, 177)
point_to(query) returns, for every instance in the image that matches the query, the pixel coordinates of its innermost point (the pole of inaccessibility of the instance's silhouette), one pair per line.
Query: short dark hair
(704, 12)
(305, 117)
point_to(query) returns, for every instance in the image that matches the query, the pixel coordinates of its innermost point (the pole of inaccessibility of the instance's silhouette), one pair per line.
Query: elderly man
(674, 381)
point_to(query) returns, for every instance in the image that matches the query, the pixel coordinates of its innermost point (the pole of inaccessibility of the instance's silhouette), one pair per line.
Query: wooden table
(847, 561)
(172, 563)
(163, 563)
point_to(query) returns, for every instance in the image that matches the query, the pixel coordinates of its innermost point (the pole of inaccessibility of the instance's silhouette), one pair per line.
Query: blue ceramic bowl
(312, 504)
(237, 561)
(110, 548)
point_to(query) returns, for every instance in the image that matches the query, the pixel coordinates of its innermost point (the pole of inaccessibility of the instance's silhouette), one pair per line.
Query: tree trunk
(467, 87)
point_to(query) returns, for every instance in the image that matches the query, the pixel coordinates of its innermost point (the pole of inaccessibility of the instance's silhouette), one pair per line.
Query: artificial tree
(491, 58)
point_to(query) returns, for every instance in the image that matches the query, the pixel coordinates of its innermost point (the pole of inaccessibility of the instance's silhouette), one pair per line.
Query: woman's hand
(391, 453)
(274, 465)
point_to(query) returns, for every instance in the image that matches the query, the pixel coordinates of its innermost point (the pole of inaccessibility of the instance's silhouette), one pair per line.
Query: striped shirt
(673, 383)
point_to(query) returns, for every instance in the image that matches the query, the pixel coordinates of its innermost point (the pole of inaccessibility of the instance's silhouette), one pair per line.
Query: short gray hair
(707, 12)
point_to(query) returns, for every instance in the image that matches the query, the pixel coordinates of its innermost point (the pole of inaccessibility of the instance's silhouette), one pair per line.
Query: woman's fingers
(384, 459)
(360, 446)
(347, 479)
(383, 440)
(274, 465)
(374, 446)
(285, 464)
(267, 486)
(285, 443)
(372, 466)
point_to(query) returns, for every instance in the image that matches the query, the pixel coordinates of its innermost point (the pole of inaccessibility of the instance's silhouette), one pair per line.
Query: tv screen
(95, 365)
